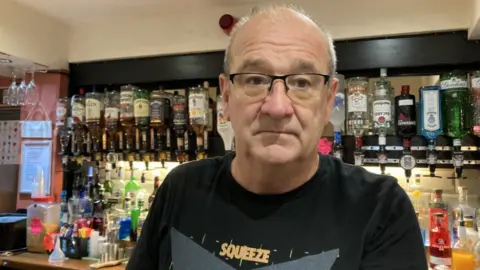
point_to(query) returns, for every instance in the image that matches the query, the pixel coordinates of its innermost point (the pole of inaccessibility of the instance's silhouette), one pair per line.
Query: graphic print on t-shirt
(186, 254)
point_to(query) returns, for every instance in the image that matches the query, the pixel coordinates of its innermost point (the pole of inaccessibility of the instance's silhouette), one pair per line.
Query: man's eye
(301, 83)
(256, 80)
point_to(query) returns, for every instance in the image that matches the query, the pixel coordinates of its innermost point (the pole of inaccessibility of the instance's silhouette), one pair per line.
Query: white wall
(27, 34)
(474, 29)
(184, 31)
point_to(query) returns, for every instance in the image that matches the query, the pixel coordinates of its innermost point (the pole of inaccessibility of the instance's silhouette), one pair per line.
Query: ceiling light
(5, 61)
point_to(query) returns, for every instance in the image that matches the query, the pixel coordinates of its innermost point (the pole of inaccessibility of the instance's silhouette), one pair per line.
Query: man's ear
(224, 83)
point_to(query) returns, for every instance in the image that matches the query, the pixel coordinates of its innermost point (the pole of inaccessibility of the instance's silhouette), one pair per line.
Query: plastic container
(43, 219)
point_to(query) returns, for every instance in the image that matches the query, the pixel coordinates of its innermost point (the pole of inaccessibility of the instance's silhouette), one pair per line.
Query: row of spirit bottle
(137, 121)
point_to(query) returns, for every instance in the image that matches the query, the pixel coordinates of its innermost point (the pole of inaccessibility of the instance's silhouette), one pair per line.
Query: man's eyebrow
(302, 66)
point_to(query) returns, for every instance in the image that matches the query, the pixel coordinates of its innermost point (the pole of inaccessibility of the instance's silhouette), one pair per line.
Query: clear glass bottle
(112, 113)
(93, 107)
(77, 105)
(224, 127)
(338, 117)
(464, 209)
(475, 85)
(357, 106)
(198, 113)
(382, 104)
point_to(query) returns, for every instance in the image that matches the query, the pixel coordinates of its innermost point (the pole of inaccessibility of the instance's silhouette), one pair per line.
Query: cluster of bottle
(451, 235)
(451, 109)
(141, 125)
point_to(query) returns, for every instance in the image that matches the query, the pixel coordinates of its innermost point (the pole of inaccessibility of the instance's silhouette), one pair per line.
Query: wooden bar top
(32, 261)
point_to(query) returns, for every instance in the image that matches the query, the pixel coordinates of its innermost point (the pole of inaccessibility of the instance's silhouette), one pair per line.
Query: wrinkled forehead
(291, 44)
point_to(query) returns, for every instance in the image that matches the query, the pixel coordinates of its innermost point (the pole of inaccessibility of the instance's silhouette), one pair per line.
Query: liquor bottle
(131, 190)
(357, 113)
(431, 121)
(455, 104)
(160, 107)
(475, 85)
(338, 117)
(382, 101)
(198, 115)
(78, 121)
(456, 109)
(180, 124)
(156, 185)
(112, 113)
(405, 113)
(93, 116)
(63, 209)
(224, 126)
(211, 128)
(440, 249)
(142, 117)
(462, 256)
(382, 119)
(126, 116)
(62, 127)
(74, 206)
(406, 127)
(464, 211)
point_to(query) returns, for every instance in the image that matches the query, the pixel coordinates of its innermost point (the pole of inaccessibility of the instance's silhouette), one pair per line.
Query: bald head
(276, 17)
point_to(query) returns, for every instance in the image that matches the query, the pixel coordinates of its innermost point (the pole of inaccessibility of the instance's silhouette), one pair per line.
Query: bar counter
(32, 261)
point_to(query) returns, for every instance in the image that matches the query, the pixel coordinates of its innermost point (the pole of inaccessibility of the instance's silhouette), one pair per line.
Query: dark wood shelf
(5, 107)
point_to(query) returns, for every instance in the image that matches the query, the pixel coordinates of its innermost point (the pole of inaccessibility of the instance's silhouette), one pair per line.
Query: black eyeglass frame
(279, 77)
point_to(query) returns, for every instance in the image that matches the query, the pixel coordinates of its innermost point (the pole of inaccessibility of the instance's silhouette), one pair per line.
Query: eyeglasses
(298, 86)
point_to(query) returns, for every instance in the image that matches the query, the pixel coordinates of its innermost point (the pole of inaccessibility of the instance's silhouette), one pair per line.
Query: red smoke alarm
(227, 22)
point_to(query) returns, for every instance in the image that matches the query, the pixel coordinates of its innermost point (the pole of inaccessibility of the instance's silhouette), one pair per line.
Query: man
(276, 203)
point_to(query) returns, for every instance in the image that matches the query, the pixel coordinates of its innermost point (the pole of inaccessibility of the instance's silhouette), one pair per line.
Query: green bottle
(455, 104)
(131, 190)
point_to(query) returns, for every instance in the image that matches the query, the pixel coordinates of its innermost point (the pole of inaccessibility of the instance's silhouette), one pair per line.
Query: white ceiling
(82, 11)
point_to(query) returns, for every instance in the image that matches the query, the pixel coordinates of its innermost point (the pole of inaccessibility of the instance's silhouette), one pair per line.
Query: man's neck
(260, 178)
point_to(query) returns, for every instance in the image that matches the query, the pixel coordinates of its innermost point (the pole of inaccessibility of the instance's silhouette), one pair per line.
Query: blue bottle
(430, 121)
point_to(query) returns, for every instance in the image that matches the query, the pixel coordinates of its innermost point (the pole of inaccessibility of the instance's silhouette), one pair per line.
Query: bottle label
(126, 103)
(111, 114)
(61, 113)
(453, 83)
(179, 115)
(357, 102)
(439, 234)
(157, 111)
(78, 112)
(141, 107)
(431, 110)
(205, 139)
(406, 113)
(93, 109)
(197, 107)
(382, 111)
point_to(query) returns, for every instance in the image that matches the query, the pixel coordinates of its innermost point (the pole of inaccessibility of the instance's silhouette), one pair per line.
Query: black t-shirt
(342, 218)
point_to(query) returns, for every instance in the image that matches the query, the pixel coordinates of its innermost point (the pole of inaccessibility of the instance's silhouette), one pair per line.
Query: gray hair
(273, 10)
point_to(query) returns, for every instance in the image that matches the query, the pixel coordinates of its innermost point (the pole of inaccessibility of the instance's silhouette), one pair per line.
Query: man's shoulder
(198, 171)
(358, 181)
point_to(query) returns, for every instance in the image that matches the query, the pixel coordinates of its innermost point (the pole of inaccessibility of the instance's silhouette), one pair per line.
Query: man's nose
(277, 104)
